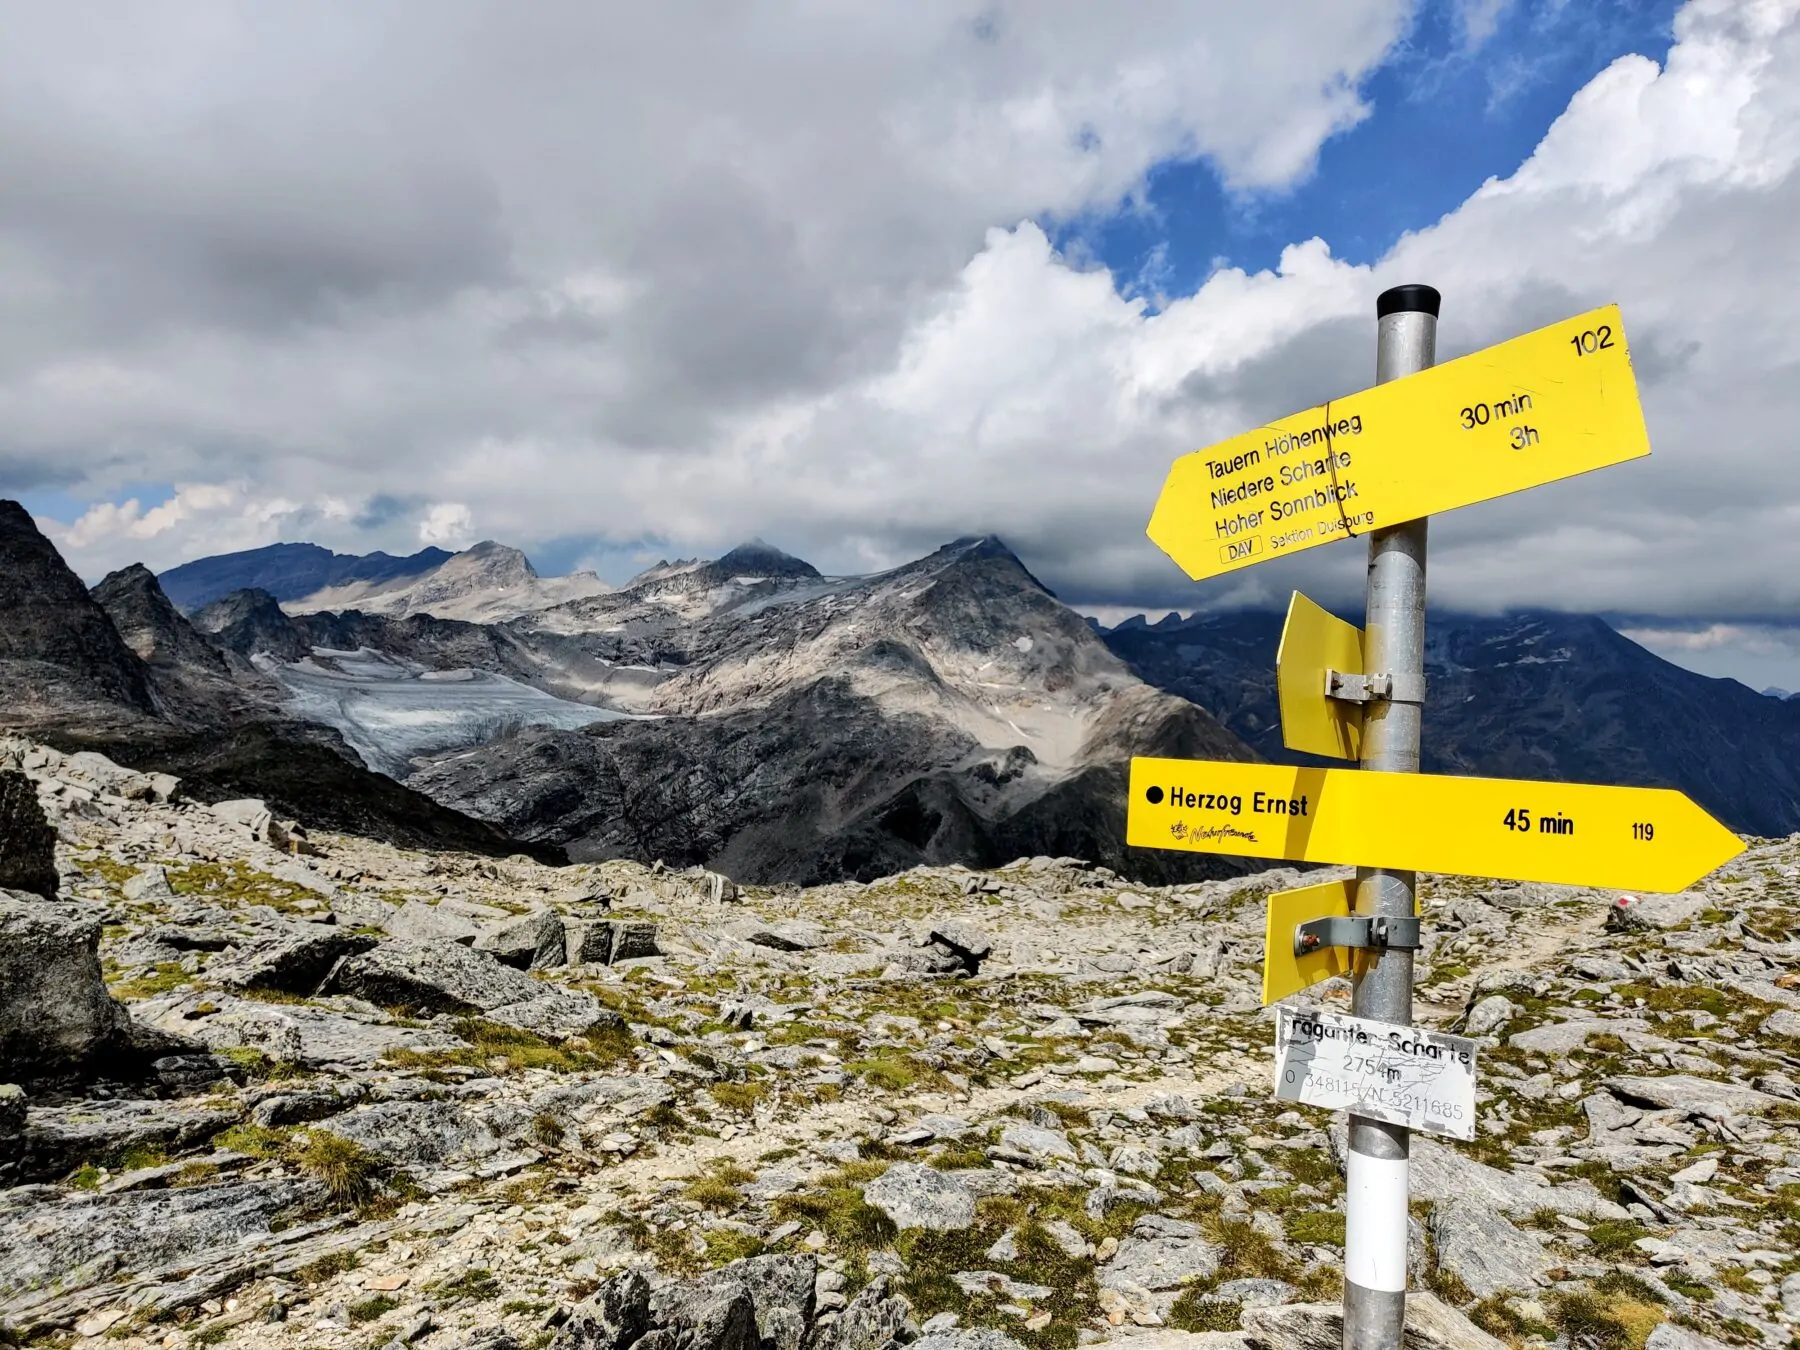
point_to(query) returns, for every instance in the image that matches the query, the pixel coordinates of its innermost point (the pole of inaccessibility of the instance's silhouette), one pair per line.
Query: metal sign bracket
(1398, 932)
(1388, 688)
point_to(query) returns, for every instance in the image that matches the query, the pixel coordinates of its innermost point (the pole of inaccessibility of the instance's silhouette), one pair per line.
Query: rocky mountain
(288, 572)
(61, 658)
(1526, 695)
(462, 1103)
(486, 583)
(250, 622)
(193, 683)
(949, 710)
(692, 588)
(121, 671)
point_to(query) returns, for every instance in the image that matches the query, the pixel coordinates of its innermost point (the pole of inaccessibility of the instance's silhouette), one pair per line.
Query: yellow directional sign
(1314, 641)
(1284, 972)
(1641, 839)
(1548, 405)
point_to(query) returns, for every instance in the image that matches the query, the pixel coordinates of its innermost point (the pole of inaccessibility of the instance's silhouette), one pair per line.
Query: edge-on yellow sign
(1286, 973)
(1314, 641)
(1576, 834)
(1548, 405)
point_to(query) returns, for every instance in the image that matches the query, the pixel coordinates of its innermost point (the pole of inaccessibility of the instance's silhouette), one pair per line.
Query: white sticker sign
(1423, 1080)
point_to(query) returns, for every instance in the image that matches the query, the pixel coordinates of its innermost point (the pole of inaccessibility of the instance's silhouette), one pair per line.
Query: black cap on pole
(1411, 299)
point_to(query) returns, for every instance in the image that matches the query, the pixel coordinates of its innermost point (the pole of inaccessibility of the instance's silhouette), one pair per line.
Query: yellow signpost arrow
(1577, 834)
(1548, 405)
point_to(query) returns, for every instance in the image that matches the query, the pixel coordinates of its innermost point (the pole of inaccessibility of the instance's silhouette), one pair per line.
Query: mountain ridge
(286, 571)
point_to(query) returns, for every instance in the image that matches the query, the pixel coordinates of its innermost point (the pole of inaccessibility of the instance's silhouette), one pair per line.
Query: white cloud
(447, 523)
(693, 282)
(108, 521)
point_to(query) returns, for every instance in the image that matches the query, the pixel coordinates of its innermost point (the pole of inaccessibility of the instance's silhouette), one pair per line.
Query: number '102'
(1593, 339)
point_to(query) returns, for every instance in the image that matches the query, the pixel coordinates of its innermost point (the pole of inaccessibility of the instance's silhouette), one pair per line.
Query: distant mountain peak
(490, 551)
(759, 559)
(288, 572)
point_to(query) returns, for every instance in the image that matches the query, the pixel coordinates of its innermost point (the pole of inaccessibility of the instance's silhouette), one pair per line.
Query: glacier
(391, 711)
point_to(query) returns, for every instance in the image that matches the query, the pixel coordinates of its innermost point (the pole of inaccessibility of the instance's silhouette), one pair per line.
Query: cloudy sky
(616, 282)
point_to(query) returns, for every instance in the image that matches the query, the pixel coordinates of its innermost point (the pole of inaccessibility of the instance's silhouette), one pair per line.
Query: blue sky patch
(1449, 109)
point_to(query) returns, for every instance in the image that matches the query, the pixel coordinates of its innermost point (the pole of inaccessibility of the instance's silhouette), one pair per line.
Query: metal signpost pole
(1376, 1185)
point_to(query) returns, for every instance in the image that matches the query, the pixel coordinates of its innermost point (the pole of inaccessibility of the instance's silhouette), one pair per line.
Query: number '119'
(1643, 830)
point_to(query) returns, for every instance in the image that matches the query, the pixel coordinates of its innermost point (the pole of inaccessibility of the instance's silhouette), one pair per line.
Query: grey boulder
(787, 935)
(27, 842)
(59, 1242)
(557, 1014)
(1668, 1336)
(418, 1134)
(289, 1033)
(916, 1196)
(432, 975)
(56, 1016)
(966, 1338)
(615, 1318)
(968, 943)
(59, 1139)
(533, 942)
(1160, 1254)
(877, 1319)
(702, 1315)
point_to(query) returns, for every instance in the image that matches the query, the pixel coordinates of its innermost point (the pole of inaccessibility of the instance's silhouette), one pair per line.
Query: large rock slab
(1037, 1141)
(616, 1317)
(787, 935)
(702, 1315)
(1430, 1325)
(61, 1241)
(876, 1319)
(59, 1139)
(1681, 1091)
(295, 962)
(27, 842)
(633, 939)
(417, 921)
(1484, 1251)
(418, 1134)
(1559, 1038)
(291, 1033)
(434, 976)
(970, 944)
(1641, 913)
(557, 1014)
(916, 1196)
(782, 1292)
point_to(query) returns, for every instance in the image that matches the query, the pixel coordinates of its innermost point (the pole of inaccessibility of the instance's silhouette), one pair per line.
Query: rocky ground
(346, 1095)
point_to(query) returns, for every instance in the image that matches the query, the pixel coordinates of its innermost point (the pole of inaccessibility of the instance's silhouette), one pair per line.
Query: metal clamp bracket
(1374, 688)
(1398, 932)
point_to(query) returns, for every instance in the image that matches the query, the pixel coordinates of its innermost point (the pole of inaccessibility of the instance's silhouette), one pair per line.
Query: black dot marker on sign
(1153, 796)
